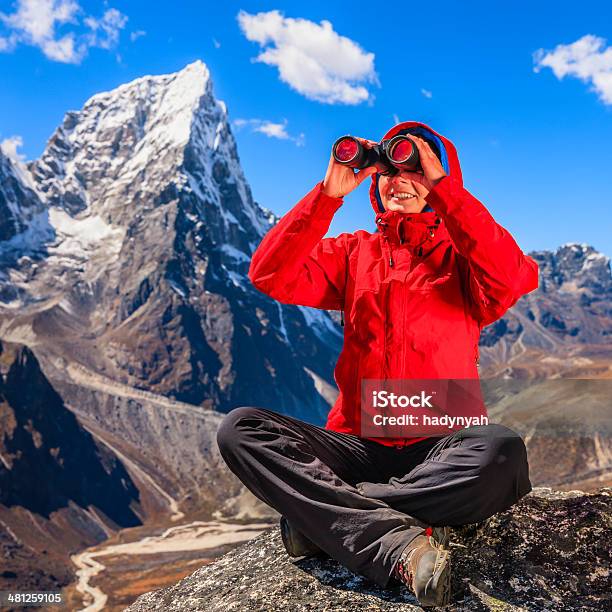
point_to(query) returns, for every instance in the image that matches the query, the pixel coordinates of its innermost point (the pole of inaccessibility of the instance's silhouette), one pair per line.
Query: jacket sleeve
(295, 264)
(499, 273)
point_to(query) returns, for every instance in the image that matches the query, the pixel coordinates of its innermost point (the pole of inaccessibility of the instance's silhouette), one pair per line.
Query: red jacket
(416, 293)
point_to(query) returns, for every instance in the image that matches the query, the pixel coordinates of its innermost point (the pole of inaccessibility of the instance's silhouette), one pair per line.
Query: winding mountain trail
(92, 380)
(195, 536)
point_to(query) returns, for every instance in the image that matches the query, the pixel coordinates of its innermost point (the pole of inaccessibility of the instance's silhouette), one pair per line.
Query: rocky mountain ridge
(137, 267)
(568, 317)
(549, 552)
(19, 202)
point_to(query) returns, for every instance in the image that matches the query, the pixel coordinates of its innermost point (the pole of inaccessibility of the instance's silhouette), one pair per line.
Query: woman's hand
(433, 172)
(341, 180)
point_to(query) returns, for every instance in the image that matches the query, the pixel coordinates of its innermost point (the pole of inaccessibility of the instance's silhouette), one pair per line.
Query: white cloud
(137, 34)
(216, 43)
(36, 23)
(588, 59)
(396, 119)
(270, 129)
(7, 43)
(10, 146)
(273, 130)
(426, 93)
(311, 58)
(105, 31)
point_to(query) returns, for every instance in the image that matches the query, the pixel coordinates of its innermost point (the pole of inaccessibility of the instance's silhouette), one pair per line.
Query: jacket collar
(412, 229)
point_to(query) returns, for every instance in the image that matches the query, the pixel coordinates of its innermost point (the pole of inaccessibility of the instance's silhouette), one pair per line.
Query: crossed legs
(362, 502)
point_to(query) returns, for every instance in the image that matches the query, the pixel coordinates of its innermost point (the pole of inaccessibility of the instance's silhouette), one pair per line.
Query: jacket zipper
(346, 277)
(403, 443)
(383, 226)
(386, 311)
(391, 262)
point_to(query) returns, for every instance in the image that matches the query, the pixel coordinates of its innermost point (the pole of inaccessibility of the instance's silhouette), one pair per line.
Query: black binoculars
(389, 156)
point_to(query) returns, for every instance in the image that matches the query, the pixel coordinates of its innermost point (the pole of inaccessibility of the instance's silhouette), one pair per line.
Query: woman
(416, 294)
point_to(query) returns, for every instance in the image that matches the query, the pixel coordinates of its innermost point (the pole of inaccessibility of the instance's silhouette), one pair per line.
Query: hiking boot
(425, 568)
(296, 543)
(440, 534)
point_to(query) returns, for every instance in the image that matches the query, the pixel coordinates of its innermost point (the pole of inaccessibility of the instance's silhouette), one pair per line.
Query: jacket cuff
(447, 192)
(325, 200)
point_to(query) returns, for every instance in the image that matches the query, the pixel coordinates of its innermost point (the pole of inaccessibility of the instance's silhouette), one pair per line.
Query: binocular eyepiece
(389, 156)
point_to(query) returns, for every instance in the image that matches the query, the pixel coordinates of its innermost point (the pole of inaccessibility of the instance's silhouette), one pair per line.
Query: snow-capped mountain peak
(148, 152)
(136, 133)
(171, 99)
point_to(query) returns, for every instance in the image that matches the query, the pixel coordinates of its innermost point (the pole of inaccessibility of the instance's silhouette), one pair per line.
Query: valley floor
(111, 575)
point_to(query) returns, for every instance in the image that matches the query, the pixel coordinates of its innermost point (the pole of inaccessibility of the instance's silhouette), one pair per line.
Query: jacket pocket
(417, 281)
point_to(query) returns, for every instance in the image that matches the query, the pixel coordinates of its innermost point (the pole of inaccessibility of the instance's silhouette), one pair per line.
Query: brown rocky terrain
(549, 552)
(59, 490)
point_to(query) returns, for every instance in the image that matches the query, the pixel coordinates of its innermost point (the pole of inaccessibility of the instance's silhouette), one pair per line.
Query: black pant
(325, 483)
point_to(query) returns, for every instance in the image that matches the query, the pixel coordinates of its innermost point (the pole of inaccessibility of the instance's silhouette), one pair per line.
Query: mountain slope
(547, 369)
(125, 274)
(19, 202)
(145, 280)
(564, 327)
(53, 477)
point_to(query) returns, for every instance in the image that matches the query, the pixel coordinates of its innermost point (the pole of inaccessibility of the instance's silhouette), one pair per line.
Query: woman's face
(404, 192)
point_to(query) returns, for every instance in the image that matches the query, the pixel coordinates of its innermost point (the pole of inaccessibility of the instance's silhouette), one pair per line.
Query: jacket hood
(448, 153)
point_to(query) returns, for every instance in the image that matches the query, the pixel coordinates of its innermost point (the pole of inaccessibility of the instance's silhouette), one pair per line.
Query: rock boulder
(549, 552)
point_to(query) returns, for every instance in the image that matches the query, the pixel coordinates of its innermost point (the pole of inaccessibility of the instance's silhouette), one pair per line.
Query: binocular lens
(401, 151)
(346, 150)
(388, 156)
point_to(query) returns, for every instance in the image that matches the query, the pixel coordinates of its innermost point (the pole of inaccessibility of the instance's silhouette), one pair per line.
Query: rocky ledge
(549, 552)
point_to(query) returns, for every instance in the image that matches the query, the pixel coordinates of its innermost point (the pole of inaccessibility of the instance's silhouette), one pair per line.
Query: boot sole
(438, 589)
(294, 549)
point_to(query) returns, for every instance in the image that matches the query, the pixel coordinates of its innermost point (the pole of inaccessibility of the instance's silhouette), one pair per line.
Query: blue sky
(534, 147)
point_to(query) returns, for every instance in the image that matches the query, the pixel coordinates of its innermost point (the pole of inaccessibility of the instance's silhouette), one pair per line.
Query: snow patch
(228, 217)
(177, 288)
(239, 280)
(235, 253)
(595, 260)
(33, 238)
(576, 246)
(320, 322)
(281, 318)
(78, 236)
